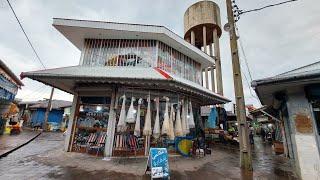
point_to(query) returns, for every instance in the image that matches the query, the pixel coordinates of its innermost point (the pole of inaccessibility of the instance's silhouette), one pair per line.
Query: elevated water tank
(198, 15)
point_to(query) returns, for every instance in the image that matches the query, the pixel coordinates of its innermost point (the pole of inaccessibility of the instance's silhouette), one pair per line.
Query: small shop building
(9, 85)
(293, 98)
(55, 117)
(136, 86)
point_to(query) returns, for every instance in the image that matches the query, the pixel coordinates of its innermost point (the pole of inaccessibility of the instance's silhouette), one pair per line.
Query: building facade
(294, 96)
(147, 65)
(9, 85)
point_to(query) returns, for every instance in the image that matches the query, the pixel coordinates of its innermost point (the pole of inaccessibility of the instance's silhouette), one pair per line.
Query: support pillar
(218, 62)
(213, 83)
(204, 36)
(111, 123)
(193, 38)
(72, 124)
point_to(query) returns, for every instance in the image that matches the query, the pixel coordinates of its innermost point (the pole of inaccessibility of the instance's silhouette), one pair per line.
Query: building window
(140, 53)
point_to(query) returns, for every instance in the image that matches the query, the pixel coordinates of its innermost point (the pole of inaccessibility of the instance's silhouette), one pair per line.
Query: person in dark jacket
(263, 134)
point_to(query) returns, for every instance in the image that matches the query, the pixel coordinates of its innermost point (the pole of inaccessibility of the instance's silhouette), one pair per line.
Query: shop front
(134, 89)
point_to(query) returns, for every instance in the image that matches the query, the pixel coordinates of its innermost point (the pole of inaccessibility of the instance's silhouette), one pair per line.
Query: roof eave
(160, 30)
(11, 74)
(218, 98)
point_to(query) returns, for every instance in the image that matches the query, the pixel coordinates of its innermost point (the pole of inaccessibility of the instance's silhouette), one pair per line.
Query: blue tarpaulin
(212, 119)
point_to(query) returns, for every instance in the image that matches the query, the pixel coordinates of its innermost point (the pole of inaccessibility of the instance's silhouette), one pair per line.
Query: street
(44, 158)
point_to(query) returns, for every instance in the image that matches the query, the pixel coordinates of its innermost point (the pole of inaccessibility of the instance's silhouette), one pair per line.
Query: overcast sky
(275, 40)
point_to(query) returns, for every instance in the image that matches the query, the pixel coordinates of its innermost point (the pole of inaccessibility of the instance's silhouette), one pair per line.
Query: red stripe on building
(163, 73)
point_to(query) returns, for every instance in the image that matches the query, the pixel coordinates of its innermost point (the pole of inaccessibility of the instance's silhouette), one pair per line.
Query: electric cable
(238, 12)
(25, 34)
(264, 7)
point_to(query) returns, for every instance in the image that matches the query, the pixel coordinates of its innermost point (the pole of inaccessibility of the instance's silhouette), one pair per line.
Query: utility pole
(245, 150)
(45, 123)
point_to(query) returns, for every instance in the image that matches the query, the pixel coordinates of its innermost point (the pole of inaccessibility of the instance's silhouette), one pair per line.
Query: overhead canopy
(76, 31)
(70, 78)
(300, 77)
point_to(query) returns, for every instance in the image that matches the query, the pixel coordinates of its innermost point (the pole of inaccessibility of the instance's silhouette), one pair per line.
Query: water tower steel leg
(218, 62)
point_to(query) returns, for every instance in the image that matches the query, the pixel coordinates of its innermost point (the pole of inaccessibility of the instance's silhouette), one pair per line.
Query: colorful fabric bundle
(122, 126)
(131, 113)
(147, 131)
(137, 125)
(132, 142)
(166, 124)
(156, 127)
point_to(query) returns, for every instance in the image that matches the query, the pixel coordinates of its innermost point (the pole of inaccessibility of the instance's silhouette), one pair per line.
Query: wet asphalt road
(20, 164)
(24, 164)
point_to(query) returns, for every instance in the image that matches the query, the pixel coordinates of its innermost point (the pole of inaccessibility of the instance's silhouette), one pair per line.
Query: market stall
(134, 89)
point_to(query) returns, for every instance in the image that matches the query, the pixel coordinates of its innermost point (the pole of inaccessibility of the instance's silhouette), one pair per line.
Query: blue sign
(159, 163)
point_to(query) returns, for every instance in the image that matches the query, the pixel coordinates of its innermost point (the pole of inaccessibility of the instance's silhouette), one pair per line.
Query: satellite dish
(227, 27)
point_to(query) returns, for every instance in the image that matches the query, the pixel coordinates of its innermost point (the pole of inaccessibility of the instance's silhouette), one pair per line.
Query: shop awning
(70, 78)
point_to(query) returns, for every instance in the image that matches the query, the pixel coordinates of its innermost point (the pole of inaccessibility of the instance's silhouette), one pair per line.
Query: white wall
(305, 146)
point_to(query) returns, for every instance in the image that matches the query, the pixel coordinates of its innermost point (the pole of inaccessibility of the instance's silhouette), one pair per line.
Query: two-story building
(121, 61)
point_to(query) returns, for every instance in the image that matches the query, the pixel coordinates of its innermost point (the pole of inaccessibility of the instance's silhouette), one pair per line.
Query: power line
(264, 7)
(244, 56)
(25, 34)
(40, 90)
(249, 86)
(237, 12)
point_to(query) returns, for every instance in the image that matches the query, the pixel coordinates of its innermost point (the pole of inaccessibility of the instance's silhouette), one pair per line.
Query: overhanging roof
(265, 88)
(76, 31)
(68, 78)
(10, 73)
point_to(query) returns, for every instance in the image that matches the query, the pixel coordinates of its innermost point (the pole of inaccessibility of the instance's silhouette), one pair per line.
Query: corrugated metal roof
(118, 75)
(98, 72)
(77, 30)
(10, 73)
(55, 104)
(305, 72)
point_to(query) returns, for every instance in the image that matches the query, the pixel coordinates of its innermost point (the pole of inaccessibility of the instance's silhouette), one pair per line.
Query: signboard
(158, 163)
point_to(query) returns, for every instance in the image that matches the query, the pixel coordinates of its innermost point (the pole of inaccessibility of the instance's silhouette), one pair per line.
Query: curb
(18, 147)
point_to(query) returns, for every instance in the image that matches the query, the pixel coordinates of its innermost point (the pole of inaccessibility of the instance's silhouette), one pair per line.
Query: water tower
(202, 28)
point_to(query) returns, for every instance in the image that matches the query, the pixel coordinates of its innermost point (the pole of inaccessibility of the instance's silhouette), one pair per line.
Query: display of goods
(156, 128)
(178, 127)
(166, 123)
(137, 125)
(131, 112)
(147, 131)
(191, 117)
(122, 126)
(171, 119)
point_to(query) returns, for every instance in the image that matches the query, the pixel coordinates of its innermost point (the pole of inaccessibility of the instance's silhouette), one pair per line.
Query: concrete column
(111, 124)
(306, 153)
(204, 36)
(213, 83)
(193, 38)
(72, 124)
(218, 62)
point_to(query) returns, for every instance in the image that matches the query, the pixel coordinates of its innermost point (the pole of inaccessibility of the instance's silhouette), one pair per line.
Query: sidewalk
(10, 143)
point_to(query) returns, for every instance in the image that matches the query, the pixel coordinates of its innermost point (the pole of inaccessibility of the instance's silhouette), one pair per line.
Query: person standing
(263, 134)
(251, 134)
